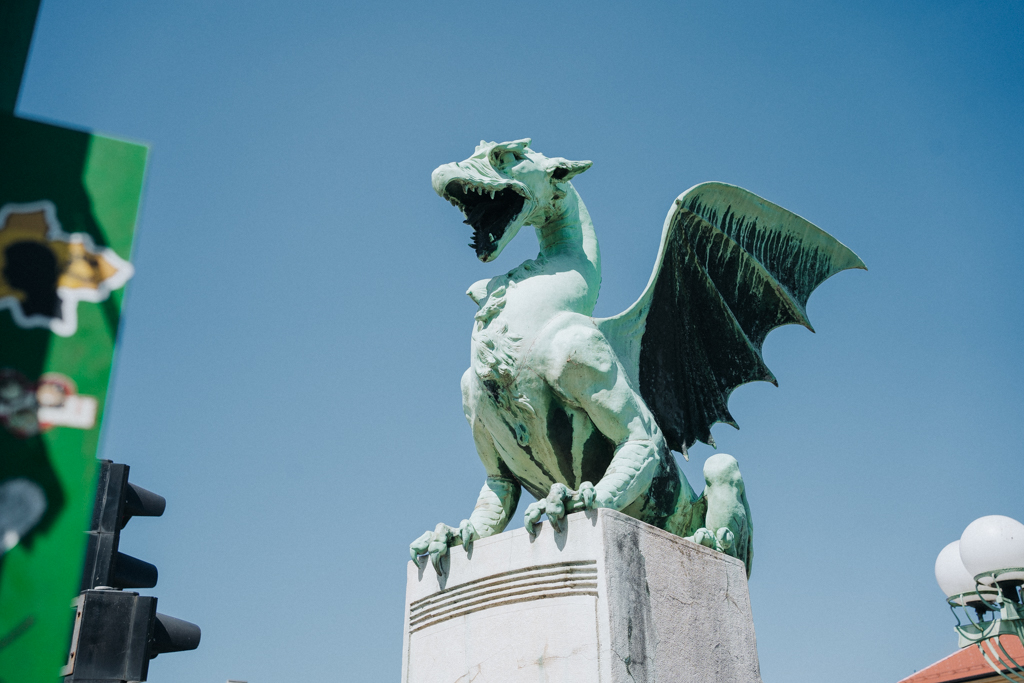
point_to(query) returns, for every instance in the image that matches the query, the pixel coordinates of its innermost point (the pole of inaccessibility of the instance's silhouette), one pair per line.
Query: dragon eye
(503, 158)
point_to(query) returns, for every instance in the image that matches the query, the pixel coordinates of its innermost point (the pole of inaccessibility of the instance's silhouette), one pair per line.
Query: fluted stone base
(609, 599)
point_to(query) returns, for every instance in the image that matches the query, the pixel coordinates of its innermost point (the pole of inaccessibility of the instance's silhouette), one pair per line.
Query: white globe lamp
(992, 549)
(955, 581)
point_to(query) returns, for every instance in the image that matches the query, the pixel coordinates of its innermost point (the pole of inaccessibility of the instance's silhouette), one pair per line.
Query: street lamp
(983, 572)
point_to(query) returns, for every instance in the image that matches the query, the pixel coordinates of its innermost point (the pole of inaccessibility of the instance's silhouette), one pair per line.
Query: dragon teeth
(492, 194)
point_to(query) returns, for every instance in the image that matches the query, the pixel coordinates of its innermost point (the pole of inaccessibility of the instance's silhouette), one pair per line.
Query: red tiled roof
(966, 664)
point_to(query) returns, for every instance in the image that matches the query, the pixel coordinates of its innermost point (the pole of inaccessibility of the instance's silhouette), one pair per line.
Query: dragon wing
(731, 268)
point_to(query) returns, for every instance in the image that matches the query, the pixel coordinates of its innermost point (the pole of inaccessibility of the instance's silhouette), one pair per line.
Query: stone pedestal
(609, 600)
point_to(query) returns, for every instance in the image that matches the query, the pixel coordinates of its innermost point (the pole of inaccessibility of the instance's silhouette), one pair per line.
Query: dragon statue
(585, 412)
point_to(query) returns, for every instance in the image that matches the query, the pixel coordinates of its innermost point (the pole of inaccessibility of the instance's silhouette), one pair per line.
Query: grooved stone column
(609, 600)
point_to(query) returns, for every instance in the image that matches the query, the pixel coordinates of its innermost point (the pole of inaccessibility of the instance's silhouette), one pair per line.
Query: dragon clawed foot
(436, 543)
(560, 502)
(722, 540)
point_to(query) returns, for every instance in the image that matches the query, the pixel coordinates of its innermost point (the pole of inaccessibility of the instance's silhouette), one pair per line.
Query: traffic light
(118, 632)
(117, 501)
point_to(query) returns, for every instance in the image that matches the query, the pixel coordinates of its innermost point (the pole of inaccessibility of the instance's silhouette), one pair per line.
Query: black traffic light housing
(117, 632)
(117, 501)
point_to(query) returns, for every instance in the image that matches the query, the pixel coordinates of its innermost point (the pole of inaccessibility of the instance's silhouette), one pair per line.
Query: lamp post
(983, 572)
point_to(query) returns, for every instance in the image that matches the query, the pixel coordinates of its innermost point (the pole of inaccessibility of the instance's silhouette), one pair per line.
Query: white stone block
(609, 599)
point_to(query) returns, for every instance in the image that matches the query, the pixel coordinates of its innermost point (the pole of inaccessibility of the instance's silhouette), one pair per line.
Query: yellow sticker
(45, 272)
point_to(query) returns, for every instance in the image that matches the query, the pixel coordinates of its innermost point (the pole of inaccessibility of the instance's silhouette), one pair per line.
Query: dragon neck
(568, 235)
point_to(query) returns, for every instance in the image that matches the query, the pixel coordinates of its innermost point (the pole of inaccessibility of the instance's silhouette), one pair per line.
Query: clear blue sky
(289, 367)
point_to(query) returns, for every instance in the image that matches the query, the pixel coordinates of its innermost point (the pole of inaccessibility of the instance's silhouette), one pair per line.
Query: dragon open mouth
(489, 211)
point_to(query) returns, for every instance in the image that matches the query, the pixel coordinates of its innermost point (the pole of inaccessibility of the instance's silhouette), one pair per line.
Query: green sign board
(68, 205)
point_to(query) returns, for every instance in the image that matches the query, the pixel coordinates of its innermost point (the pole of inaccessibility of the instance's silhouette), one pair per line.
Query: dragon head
(501, 188)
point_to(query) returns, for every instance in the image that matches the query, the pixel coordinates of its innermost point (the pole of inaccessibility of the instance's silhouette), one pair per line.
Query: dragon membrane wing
(731, 268)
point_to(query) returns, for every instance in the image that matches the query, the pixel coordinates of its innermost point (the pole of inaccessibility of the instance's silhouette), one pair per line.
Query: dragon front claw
(722, 540)
(560, 502)
(436, 543)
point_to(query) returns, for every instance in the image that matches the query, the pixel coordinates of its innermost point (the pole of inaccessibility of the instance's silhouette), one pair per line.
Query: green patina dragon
(584, 412)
